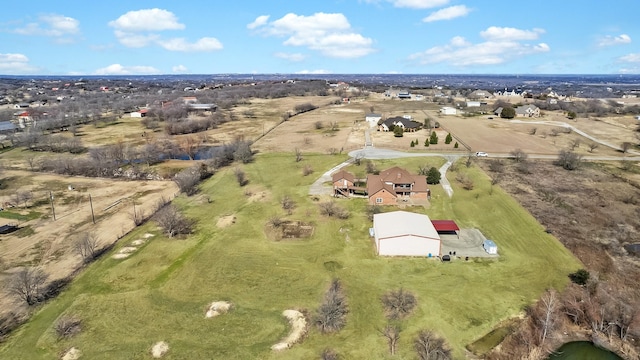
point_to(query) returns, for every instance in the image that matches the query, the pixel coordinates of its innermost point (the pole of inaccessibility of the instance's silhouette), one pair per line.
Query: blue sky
(116, 37)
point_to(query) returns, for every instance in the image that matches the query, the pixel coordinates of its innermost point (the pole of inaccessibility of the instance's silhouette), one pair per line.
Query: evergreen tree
(433, 139)
(455, 146)
(448, 139)
(433, 176)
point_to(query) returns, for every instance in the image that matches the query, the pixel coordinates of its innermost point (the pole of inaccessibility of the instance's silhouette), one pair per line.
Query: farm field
(160, 292)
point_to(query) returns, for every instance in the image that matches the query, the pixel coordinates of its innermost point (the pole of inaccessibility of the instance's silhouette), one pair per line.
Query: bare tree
(575, 143)
(298, 153)
(431, 347)
(188, 179)
(241, 177)
(626, 146)
(593, 146)
(22, 197)
(518, 155)
(331, 315)
(398, 304)
(190, 145)
(331, 209)
(27, 284)
(392, 334)
(172, 222)
(86, 245)
(546, 314)
(288, 204)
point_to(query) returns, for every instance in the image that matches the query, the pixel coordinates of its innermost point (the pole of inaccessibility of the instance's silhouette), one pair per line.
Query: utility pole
(53, 209)
(93, 218)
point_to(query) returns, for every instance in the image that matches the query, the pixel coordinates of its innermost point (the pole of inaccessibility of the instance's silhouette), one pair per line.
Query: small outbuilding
(490, 247)
(402, 233)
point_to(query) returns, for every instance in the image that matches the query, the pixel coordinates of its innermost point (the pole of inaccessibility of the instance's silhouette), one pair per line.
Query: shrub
(455, 146)
(307, 170)
(568, 160)
(580, 277)
(331, 209)
(67, 326)
(241, 177)
(448, 139)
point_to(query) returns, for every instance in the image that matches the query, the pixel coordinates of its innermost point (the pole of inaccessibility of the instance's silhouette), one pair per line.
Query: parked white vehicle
(482, 154)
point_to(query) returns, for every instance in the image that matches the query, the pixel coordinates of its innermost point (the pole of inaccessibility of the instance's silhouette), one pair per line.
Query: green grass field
(161, 291)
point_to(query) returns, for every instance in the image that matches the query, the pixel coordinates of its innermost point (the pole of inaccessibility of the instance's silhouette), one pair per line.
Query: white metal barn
(402, 233)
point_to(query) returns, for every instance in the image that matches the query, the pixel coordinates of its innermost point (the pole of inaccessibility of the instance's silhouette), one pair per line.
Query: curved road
(369, 152)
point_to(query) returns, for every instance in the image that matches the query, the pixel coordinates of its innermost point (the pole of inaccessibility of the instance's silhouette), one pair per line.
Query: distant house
(396, 184)
(528, 111)
(407, 125)
(473, 103)
(139, 114)
(498, 111)
(404, 95)
(189, 99)
(373, 119)
(447, 110)
(402, 233)
(202, 107)
(479, 94)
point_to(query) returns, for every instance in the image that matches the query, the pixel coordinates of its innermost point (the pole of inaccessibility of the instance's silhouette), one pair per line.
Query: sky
(116, 37)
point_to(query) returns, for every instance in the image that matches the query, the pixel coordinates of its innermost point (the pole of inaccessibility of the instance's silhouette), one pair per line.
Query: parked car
(482, 154)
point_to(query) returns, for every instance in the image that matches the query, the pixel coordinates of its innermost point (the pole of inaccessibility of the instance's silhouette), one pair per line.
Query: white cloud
(147, 20)
(510, 34)
(330, 34)
(15, 64)
(53, 25)
(140, 28)
(614, 40)
(259, 21)
(502, 45)
(318, 71)
(630, 58)
(449, 13)
(418, 4)
(133, 40)
(117, 69)
(180, 44)
(291, 57)
(179, 69)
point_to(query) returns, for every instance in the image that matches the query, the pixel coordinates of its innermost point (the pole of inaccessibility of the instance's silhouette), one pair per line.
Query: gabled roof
(375, 185)
(407, 123)
(343, 174)
(401, 223)
(397, 175)
(526, 109)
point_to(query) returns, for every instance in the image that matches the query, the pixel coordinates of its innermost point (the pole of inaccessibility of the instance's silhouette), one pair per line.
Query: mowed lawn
(160, 293)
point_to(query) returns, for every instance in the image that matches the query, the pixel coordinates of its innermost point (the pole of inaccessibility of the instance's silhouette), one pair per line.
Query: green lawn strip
(161, 292)
(13, 215)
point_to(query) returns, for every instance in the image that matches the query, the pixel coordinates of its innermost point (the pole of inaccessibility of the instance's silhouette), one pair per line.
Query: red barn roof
(445, 225)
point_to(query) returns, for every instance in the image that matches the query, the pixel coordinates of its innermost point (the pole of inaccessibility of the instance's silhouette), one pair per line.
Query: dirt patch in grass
(217, 308)
(226, 221)
(159, 349)
(298, 323)
(72, 354)
(259, 196)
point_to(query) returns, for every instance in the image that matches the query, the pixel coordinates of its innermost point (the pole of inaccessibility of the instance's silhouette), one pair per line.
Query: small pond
(633, 249)
(583, 350)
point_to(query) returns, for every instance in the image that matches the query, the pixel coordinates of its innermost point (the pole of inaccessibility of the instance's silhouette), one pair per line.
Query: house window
(378, 200)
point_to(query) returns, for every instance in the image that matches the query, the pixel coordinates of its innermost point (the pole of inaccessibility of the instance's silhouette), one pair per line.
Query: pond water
(583, 350)
(633, 249)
